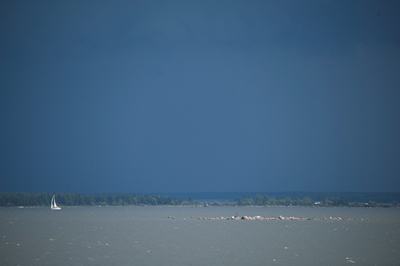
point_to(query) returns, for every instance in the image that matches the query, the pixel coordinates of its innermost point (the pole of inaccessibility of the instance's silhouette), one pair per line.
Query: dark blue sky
(199, 96)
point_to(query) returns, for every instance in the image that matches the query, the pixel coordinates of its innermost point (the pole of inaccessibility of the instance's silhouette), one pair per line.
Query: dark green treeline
(265, 200)
(76, 199)
(120, 199)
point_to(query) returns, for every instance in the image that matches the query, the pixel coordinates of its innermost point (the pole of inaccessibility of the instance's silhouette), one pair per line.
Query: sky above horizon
(199, 96)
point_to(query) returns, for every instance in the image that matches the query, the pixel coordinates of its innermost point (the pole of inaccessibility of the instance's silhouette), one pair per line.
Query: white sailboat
(53, 204)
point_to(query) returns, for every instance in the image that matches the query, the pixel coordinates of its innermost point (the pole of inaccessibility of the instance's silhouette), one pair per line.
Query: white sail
(53, 204)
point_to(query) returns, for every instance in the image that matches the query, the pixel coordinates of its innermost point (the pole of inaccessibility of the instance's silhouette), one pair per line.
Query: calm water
(144, 236)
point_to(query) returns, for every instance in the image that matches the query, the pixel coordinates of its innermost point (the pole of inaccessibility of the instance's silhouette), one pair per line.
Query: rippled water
(145, 236)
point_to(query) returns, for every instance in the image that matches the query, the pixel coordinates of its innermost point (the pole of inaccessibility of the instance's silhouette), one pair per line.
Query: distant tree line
(76, 199)
(121, 199)
(265, 200)
(351, 197)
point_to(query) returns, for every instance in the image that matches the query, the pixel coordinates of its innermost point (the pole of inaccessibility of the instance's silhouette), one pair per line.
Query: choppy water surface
(145, 236)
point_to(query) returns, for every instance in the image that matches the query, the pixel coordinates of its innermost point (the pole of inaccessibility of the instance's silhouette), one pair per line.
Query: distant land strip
(204, 199)
(278, 218)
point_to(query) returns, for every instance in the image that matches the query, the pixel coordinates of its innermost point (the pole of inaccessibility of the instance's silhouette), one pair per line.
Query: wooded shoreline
(126, 199)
